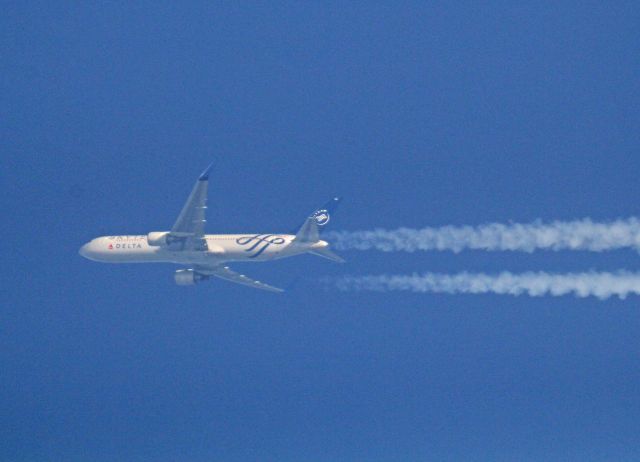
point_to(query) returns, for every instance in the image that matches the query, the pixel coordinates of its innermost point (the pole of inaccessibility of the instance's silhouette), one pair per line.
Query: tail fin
(317, 221)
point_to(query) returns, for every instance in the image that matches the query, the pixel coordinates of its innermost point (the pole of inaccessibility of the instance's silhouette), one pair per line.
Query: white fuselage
(220, 248)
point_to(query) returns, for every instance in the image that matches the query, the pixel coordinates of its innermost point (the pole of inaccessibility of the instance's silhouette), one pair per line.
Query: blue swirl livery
(258, 243)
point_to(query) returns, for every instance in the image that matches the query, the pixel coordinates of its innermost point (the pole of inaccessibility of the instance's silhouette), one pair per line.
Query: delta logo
(133, 245)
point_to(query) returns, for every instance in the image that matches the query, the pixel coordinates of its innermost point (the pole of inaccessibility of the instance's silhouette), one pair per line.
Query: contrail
(535, 284)
(557, 235)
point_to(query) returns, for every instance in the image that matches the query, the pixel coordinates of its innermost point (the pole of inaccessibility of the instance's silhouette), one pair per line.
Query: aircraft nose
(84, 250)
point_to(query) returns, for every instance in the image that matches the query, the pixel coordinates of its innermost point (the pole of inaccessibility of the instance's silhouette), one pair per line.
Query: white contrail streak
(558, 235)
(535, 284)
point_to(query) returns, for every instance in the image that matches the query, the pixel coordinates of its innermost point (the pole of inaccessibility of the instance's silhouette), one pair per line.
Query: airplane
(206, 255)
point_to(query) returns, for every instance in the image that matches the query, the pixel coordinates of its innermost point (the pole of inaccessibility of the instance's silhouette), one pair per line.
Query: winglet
(205, 174)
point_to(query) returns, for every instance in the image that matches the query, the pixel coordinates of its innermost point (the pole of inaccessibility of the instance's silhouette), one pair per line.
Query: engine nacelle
(158, 238)
(188, 277)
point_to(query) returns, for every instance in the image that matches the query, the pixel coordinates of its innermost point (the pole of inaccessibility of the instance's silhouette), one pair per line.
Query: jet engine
(158, 238)
(188, 277)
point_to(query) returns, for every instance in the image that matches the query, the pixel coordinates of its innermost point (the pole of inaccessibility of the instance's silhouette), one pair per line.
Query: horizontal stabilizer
(328, 254)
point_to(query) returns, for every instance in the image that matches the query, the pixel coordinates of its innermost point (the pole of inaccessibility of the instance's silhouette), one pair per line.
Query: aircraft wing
(189, 227)
(226, 273)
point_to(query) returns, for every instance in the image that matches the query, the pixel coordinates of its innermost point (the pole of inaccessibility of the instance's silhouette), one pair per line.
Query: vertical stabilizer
(316, 222)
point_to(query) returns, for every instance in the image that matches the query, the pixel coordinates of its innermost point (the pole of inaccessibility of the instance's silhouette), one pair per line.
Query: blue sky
(419, 114)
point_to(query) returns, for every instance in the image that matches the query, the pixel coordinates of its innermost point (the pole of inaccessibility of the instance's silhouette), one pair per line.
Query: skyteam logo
(321, 217)
(259, 243)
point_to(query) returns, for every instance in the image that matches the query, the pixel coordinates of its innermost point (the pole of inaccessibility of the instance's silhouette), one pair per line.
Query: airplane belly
(260, 256)
(148, 254)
